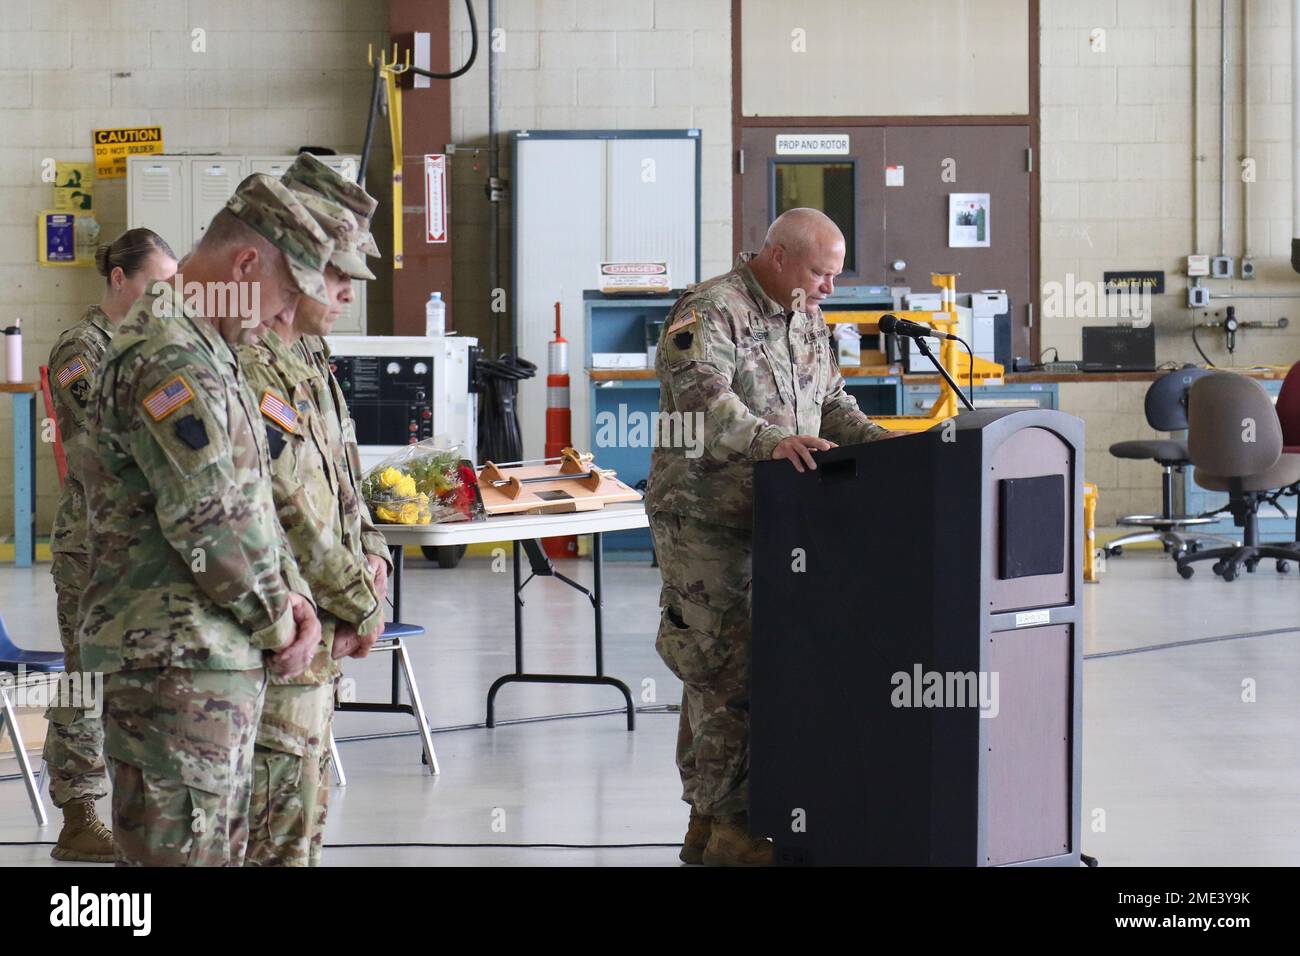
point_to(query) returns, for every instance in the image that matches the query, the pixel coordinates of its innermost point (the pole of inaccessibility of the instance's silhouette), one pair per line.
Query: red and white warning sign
(435, 198)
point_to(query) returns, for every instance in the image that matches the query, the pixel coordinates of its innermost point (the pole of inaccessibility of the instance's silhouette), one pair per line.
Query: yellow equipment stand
(956, 363)
(391, 70)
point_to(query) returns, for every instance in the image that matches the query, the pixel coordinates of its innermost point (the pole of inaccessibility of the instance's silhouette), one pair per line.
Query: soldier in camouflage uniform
(309, 174)
(748, 353)
(320, 512)
(194, 590)
(74, 747)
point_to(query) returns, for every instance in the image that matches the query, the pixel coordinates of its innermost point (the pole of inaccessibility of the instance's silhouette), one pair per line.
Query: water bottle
(14, 352)
(435, 315)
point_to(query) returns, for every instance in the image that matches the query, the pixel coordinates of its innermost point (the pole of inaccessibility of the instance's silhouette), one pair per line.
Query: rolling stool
(1166, 411)
(391, 640)
(13, 659)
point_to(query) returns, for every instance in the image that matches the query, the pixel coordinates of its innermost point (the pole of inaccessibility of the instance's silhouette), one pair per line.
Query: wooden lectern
(917, 649)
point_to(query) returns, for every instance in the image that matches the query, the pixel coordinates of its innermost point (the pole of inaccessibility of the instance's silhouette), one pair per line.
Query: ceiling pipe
(1223, 127)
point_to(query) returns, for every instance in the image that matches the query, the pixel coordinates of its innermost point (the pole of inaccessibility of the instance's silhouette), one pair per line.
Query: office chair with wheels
(1166, 411)
(1288, 416)
(1235, 442)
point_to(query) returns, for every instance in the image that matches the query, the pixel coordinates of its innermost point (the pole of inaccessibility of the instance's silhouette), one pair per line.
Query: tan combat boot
(84, 838)
(731, 845)
(697, 838)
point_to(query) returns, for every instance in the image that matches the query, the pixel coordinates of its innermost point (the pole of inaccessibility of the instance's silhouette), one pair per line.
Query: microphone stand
(924, 349)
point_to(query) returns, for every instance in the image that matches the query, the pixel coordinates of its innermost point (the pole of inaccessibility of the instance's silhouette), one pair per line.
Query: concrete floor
(1178, 770)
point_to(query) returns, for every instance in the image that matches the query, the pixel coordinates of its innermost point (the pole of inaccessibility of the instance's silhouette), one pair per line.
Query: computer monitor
(1119, 348)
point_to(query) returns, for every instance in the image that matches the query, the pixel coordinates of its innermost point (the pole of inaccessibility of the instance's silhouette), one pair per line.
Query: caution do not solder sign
(113, 146)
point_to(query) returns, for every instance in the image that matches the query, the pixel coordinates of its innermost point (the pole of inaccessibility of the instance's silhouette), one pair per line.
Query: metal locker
(213, 180)
(157, 198)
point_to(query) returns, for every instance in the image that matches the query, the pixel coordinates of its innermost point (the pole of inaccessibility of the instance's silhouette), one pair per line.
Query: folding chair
(391, 641)
(17, 661)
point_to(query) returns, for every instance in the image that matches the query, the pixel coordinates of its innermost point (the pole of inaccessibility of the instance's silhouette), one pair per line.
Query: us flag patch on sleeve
(71, 372)
(278, 410)
(168, 397)
(683, 321)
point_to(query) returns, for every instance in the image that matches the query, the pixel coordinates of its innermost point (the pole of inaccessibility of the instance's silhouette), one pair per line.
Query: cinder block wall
(274, 75)
(1118, 160)
(588, 64)
(1117, 153)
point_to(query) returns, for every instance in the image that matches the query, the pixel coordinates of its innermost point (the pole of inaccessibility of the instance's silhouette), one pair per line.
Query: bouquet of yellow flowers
(423, 483)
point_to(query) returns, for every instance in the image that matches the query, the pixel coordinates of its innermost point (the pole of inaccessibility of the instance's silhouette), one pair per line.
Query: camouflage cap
(340, 225)
(276, 213)
(309, 173)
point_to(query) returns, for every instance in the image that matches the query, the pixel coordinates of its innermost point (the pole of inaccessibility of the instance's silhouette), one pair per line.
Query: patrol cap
(309, 173)
(275, 213)
(340, 225)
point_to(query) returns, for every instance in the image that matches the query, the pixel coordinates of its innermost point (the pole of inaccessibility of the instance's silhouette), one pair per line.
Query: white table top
(620, 517)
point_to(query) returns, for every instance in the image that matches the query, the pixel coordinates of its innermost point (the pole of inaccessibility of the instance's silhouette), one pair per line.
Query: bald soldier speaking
(749, 354)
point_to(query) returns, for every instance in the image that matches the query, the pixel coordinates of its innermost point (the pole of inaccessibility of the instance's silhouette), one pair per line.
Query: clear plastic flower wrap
(424, 483)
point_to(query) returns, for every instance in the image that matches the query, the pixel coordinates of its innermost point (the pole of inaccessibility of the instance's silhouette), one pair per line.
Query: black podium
(917, 649)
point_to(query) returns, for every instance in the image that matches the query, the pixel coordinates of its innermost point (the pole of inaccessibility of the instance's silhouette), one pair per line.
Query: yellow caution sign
(113, 146)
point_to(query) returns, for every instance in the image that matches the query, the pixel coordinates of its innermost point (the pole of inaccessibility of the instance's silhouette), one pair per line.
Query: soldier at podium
(750, 357)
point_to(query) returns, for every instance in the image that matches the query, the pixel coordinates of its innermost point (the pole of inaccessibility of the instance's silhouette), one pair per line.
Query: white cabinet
(158, 197)
(582, 198)
(213, 180)
(177, 196)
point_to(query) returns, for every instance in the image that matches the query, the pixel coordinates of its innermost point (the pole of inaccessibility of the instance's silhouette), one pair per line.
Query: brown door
(908, 223)
(844, 185)
(977, 159)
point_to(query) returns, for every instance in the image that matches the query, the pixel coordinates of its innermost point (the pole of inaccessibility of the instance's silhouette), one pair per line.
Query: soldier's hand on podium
(798, 450)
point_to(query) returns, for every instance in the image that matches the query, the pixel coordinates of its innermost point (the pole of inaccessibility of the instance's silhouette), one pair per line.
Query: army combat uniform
(319, 515)
(74, 749)
(191, 571)
(319, 510)
(730, 355)
(309, 174)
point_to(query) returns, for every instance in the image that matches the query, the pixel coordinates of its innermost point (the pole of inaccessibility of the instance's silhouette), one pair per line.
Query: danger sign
(435, 198)
(113, 146)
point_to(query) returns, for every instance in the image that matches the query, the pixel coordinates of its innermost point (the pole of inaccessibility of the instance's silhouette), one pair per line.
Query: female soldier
(75, 744)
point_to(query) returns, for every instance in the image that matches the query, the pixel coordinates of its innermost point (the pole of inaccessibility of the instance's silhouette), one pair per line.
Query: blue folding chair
(17, 661)
(391, 640)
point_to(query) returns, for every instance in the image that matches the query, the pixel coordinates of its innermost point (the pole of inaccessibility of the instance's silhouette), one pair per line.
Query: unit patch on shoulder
(168, 397)
(278, 410)
(275, 441)
(71, 372)
(193, 432)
